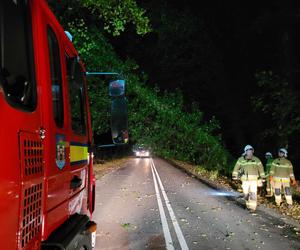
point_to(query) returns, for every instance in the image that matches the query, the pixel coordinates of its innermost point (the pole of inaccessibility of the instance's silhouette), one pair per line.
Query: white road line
(167, 234)
(178, 231)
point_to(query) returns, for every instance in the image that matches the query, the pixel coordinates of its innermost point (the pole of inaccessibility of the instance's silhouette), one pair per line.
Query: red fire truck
(47, 185)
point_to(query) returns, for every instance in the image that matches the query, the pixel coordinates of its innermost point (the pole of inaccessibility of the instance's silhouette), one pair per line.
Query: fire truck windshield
(16, 55)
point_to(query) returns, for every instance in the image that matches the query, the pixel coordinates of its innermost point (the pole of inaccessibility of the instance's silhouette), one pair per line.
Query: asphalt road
(149, 204)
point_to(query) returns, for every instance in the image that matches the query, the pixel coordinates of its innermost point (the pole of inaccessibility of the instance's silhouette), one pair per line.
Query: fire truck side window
(16, 55)
(77, 96)
(56, 79)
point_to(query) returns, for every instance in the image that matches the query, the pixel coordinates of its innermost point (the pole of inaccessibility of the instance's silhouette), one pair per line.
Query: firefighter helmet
(269, 154)
(284, 151)
(248, 147)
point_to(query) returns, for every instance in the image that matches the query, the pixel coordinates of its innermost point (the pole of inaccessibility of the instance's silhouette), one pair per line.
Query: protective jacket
(248, 169)
(282, 168)
(268, 166)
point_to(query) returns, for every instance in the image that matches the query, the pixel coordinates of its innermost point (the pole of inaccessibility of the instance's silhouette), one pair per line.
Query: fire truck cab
(47, 185)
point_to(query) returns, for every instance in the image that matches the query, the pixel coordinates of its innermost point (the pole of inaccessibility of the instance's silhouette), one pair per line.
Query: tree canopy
(156, 118)
(237, 63)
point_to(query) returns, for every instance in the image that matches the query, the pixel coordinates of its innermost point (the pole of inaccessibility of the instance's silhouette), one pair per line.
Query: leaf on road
(296, 229)
(126, 225)
(264, 229)
(229, 234)
(216, 208)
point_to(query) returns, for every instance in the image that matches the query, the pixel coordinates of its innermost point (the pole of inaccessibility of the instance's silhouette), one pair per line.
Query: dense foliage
(156, 118)
(278, 104)
(116, 14)
(215, 52)
(113, 16)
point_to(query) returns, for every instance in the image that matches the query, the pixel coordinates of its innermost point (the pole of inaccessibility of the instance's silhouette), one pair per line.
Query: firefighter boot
(278, 197)
(252, 202)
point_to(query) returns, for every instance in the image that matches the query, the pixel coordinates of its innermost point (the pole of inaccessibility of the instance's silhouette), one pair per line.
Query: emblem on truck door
(60, 151)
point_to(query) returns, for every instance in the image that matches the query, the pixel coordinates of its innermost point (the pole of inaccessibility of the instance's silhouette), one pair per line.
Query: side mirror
(117, 88)
(119, 123)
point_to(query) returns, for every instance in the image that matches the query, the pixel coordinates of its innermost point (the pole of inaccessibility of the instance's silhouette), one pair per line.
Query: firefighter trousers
(250, 193)
(284, 184)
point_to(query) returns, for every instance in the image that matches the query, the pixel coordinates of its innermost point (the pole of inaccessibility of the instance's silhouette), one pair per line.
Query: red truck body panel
(40, 161)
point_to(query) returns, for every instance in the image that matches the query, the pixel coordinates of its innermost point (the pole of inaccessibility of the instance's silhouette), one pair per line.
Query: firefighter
(282, 174)
(249, 168)
(269, 188)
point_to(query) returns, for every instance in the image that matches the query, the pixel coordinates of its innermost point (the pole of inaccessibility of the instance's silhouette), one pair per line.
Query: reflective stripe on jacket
(278, 179)
(282, 168)
(250, 169)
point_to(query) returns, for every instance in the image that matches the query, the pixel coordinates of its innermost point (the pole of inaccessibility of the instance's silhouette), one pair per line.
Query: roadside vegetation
(157, 119)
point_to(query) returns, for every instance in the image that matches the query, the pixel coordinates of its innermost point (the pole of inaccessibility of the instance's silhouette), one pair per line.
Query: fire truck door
(78, 135)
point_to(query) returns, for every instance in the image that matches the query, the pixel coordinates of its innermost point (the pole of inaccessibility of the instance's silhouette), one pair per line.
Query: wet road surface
(149, 204)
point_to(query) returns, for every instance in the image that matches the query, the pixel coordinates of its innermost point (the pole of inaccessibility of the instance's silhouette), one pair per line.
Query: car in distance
(141, 151)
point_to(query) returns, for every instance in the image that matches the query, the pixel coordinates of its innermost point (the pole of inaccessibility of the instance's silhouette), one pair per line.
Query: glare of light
(221, 193)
